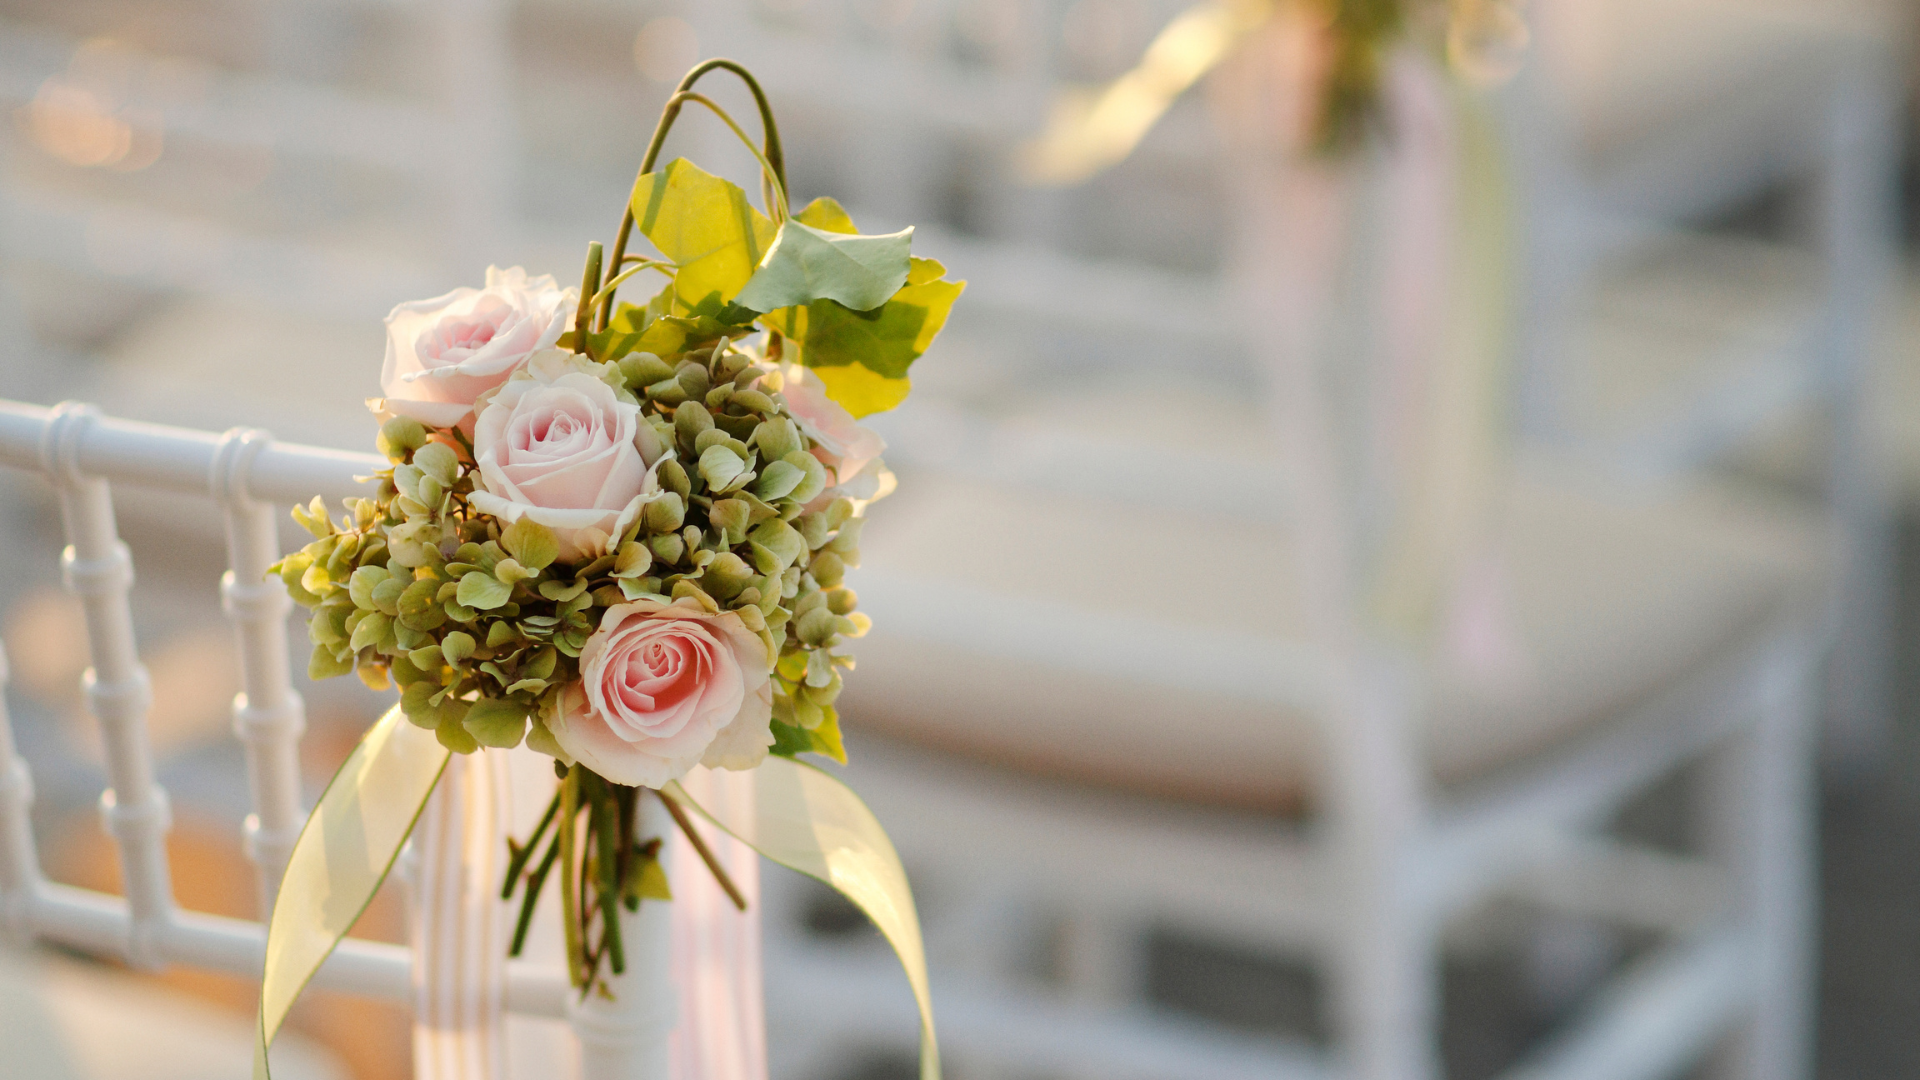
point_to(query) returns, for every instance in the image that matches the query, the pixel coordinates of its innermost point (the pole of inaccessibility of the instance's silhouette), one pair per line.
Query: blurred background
(1702, 280)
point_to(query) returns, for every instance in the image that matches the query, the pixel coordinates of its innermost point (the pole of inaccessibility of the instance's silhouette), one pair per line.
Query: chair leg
(1857, 216)
(1385, 983)
(1760, 820)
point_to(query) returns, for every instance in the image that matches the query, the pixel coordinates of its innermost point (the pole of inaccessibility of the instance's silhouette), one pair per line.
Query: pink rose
(558, 445)
(842, 445)
(663, 687)
(445, 352)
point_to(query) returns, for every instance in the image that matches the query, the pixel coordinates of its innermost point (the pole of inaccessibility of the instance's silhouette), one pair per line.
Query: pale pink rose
(445, 352)
(566, 451)
(841, 444)
(664, 687)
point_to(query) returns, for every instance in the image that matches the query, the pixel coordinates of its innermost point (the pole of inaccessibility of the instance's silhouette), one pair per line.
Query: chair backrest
(252, 478)
(1756, 97)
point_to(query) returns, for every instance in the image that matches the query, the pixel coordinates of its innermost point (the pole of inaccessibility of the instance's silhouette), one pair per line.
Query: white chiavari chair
(456, 912)
(1661, 346)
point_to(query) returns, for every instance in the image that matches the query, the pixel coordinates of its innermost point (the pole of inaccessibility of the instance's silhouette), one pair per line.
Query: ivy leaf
(672, 335)
(788, 739)
(807, 264)
(622, 335)
(496, 722)
(860, 391)
(862, 357)
(826, 215)
(706, 226)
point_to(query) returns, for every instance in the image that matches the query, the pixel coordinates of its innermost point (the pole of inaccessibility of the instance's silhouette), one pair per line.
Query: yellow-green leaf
(706, 226)
(651, 883)
(826, 215)
(826, 736)
(832, 339)
(860, 391)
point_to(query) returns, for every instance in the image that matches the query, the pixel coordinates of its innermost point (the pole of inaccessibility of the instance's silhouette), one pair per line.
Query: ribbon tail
(344, 852)
(1090, 132)
(806, 820)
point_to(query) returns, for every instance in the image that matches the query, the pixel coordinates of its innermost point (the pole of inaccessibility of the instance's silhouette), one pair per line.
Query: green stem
(534, 882)
(520, 855)
(570, 913)
(604, 298)
(770, 134)
(583, 317)
(779, 209)
(705, 853)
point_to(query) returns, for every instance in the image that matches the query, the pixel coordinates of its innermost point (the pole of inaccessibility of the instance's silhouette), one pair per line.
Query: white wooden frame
(81, 453)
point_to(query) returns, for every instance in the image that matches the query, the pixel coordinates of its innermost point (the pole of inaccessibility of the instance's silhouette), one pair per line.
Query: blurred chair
(1659, 347)
(254, 159)
(1130, 631)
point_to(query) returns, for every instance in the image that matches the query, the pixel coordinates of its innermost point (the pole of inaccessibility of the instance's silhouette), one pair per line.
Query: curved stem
(770, 130)
(775, 156)
(606, 291)
(779, 209)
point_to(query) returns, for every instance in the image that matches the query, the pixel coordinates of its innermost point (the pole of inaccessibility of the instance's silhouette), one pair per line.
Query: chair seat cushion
(1016, 626)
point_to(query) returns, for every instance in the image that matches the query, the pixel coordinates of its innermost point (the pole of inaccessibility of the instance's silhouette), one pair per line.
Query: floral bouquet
(618, 533)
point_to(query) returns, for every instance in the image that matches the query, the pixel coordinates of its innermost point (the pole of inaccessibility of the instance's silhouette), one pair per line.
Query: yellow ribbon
(806, 820)
(803, 819)
(1447, 501)
(1089, 132)
(344, 852)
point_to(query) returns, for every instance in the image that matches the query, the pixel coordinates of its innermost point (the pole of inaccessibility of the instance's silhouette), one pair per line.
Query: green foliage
(532, 544)
(706, 226)
(807, 264)
(882, 344)
(498, 722)
(482, 591)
